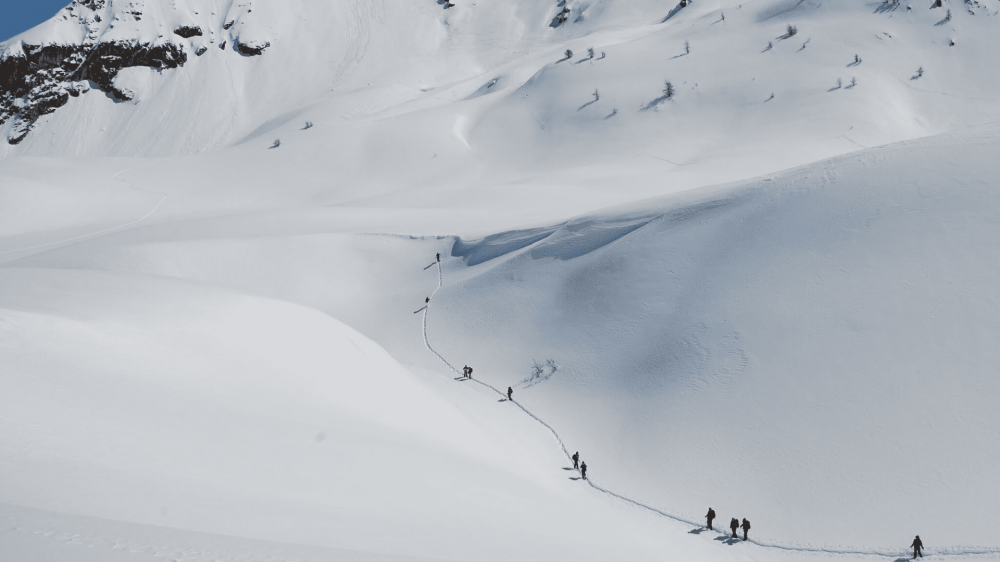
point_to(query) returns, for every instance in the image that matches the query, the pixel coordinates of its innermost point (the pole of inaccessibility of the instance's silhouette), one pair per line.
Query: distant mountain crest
(87, 45)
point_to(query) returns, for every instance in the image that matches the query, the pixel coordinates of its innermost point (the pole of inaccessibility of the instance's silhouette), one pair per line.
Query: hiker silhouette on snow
(710, 515)
(583, 471)
(439, 258)
(734, 524)
(917, 545)
(746, 527)
(509, 392)
(576, 460)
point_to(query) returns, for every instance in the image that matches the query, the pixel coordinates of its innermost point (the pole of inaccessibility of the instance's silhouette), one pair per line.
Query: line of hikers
(733, 524)
(577, 466)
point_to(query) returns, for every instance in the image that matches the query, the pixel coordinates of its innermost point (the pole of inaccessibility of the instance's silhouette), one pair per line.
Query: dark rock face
(93, 4)
(251, 49)
(45, 77)
(188, 31)
(562, 16)
(37, 80)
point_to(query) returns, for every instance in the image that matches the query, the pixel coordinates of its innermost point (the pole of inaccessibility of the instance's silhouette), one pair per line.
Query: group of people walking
(577, 466)
(733, 524)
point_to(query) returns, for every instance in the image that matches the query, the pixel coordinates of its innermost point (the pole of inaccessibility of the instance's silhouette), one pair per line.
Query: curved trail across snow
(163, 197)
(947, 551)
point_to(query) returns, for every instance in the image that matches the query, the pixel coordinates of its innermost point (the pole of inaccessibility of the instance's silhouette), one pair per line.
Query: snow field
(764, 371)
(238, 416)
(822, 327)
(207, 342)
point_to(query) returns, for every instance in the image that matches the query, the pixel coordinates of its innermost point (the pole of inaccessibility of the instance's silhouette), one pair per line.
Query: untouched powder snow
(767, 293)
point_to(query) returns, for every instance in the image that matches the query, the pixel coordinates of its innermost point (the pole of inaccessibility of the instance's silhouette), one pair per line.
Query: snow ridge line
(163, 197)
(945, 551)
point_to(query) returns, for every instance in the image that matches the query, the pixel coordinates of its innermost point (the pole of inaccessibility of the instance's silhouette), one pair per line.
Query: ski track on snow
(945, 551)
(163, 197)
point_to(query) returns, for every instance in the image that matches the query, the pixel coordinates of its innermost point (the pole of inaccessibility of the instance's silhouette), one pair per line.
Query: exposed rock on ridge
(87, 44)
(43, 78)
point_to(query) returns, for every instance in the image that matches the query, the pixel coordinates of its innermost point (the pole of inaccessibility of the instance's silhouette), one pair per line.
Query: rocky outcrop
(562, 15)
(88, 43)
(188, 31)
(43, 78)
(251, 48)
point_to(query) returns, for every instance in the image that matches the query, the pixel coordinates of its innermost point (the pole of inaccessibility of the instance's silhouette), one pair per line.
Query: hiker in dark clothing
(583, 470)
(470, 372)
(710, 516)
(917, 545)
(439, 258)
(427, 300)
(576, 460)
(734, 524)
(465, 371)
(509, 392)
(746, 527)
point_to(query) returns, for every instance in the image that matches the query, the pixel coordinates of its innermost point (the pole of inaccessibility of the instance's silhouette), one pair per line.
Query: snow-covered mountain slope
(485, 71)
(467, 107)
(210, 335)
(813, 346)
(169, 403)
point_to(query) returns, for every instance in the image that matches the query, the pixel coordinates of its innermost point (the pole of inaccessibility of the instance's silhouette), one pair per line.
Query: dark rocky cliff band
(44, 78)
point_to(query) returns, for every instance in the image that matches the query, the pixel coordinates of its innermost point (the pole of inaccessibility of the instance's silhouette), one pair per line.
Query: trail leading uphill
(944, 551)
(810, 343)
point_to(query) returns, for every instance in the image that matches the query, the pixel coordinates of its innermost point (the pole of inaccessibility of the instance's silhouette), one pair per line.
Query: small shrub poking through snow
(668, 93)
(668, 90)
(540, 372)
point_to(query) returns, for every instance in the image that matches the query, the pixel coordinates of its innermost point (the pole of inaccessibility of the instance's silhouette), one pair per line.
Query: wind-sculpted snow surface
(787, 547)
(179, 419)
(475, 252)
(189, 317)
(792, 350)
